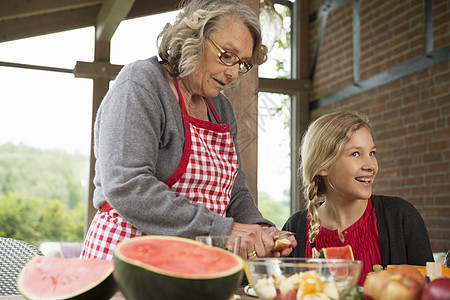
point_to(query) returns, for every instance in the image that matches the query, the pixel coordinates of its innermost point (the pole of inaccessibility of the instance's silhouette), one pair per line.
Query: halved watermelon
(165, 267)
(45, 277)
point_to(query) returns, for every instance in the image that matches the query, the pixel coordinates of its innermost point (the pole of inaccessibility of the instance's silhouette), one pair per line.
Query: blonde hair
(182, 44)
(321, 145)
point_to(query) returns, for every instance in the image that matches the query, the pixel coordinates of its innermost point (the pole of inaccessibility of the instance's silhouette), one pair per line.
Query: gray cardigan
(138, 144)
(402, 232)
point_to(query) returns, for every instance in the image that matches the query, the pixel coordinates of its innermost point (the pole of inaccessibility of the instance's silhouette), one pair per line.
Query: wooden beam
(25, 22)
(302, 42)
(284, 86)
(15, 29)
(96, 69)
(146, 8)
(13, 9)
(112, 13)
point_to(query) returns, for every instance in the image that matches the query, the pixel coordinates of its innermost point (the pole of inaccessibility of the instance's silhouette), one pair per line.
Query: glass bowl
(294, 278)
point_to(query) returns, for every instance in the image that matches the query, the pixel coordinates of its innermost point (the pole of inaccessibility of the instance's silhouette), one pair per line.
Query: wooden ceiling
(26, 18)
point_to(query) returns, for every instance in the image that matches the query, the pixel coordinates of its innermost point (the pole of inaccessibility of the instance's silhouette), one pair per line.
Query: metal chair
(447, 259)
(14, 254)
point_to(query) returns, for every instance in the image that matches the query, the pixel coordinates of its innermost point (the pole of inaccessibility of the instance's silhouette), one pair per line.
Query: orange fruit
(310, 283)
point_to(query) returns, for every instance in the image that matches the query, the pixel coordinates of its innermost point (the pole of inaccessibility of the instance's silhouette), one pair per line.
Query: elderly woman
(166, 138)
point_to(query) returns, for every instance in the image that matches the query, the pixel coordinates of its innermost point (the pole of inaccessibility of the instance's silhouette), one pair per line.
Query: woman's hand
(261, 240)
(274, 232)
(253, 238)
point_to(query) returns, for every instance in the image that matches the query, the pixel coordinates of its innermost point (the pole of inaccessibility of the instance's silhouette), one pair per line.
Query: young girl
(338, 169)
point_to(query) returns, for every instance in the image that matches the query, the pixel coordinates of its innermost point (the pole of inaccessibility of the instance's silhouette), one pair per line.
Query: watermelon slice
(167, 267)
(66, 278)
(344, 252)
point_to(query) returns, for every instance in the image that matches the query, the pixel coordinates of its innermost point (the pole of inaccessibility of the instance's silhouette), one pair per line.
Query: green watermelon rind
(102, 289)
(137, 280)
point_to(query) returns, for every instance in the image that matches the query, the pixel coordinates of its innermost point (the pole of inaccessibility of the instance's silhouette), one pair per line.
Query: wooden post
(300, 105)
(100, 88)
(111, 14)
(245, 102)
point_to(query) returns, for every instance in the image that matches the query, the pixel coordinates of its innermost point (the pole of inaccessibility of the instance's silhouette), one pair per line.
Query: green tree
(75, 229)
(18, 217)
(42, 196)
(47, 174)
(35, 220)
(284, 41)
(275, 211)
(53, 220)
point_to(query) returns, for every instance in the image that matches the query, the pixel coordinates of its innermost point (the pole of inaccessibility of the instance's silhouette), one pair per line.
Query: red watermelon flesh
(344, 252)
(63, 278)
(175, 257)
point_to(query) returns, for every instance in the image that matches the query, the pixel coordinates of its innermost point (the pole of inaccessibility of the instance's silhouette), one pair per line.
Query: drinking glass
(231, 243)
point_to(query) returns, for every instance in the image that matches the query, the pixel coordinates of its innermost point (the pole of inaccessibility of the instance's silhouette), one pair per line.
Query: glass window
(274, 157)
(278, 41)
(274, 119)
(46, 136)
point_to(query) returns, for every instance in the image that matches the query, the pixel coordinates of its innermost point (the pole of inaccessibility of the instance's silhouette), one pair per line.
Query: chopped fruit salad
(300, 286)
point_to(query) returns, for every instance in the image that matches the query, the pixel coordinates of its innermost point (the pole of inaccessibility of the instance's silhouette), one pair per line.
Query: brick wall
(410, 115)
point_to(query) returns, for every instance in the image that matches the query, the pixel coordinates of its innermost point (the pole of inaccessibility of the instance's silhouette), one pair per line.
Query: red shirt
(362, 236)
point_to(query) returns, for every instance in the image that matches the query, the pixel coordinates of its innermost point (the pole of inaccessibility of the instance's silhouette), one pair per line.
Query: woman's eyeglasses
(230, 59)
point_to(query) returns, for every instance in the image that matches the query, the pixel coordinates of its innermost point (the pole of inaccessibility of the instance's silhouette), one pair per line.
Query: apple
(374, 284)
(402, 288)
(400, 283)
(410, 271)
(438, 289)
(281, 243)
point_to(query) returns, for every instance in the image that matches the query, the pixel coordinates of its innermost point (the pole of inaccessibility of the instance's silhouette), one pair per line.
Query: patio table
(119, 296)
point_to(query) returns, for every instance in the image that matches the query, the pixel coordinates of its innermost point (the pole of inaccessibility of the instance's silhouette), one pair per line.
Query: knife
(276, 238)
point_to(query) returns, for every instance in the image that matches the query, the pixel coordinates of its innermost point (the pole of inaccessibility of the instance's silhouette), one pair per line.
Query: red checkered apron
(206, 174)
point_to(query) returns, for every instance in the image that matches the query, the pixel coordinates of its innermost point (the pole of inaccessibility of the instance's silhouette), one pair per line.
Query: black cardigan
(402, 232)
